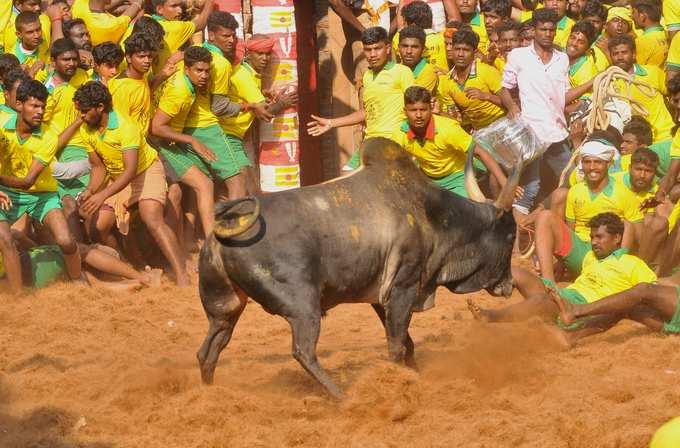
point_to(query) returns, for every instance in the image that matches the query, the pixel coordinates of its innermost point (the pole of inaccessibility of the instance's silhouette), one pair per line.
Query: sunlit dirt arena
(84, 367)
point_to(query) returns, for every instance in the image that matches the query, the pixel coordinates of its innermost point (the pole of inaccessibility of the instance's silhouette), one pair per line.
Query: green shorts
(573, 250)
(454, 182)
(35, 204)
(178, 159)
(673, 325)
(572, 296)
(213, 137)
(238, 150)
(72, 187)
(42, 265)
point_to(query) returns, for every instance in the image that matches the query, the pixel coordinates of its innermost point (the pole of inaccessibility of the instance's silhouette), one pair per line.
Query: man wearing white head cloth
(598, 193)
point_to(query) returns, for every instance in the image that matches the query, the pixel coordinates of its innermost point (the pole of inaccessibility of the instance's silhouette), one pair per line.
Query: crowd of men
(127, 119)
(606, 225)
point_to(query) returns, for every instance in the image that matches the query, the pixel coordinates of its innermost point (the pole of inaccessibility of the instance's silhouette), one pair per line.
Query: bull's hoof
(207, 376)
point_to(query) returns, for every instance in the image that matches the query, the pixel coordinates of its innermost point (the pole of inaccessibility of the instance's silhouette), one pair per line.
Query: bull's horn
(471, 184)
(245, 221)
(507, 194)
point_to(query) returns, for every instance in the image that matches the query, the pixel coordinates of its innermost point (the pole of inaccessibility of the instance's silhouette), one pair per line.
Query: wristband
(58, 19)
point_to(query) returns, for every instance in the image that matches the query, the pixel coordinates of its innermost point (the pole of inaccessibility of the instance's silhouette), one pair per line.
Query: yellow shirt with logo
(60, 111)
(652, 47)
(121, 134)
(673, 60)
(659, 117)
(132, 98)
(383, 98)
(440, 154)
(245, 86)
(583, 205)
(17, 154)
(101, 25)
(176, 99)
(476, 113)
(611, 275)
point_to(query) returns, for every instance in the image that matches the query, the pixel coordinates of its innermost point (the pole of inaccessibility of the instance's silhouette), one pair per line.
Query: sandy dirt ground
(85, 367)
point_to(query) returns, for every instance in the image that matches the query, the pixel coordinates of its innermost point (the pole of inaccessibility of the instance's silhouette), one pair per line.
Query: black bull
(385, 235)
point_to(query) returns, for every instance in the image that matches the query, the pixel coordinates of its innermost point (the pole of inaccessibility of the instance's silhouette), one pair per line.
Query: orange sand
(83, 367)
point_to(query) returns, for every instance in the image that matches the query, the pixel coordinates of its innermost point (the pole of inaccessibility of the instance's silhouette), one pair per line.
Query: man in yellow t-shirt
(27, 148)
(607, 269)
(420, 14)
(438, 144)
(411, 46)
(178, 32)
(582, 67)
(117, 148)
(183, 154)
(71, 168)
(382, 95)
(102, 25)
(563, 27)
(673, 60)
(472, 85)
(652, 44)
(9, 33)
(622, 51)
(470, 14)
(599, 193)
(32, 51)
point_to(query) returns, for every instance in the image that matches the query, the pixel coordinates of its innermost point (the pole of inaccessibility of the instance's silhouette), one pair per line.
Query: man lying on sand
(607, 271)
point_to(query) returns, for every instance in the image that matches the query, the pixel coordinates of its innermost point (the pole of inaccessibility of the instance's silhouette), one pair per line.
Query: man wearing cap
(619, 22)
(599, 193)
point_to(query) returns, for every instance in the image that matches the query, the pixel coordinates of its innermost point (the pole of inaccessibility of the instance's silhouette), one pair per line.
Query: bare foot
(151, 277)
(477, 312)
(566, 309)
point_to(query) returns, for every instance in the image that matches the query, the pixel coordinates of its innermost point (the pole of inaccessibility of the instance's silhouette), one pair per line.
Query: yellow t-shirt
(383, 98)
(673, 60)
(132, 98)
(652, 47)
(562, 32)
(659, 117)
(201, 114)
(17, 155)
(478, 26)
(443, 150)
(600, 58)
(6, 113)
(9, 39)
(671, 15)
(5, 14)
(101, 25)
(635, 197)
(176, 99)
(616, 273)
(60, 111)
(582, 71)
(583, 205)
(476, 113)
(245, 86)
(177, 32)
(425, 76)
(42, 53)
(121, 134)
(434, 51)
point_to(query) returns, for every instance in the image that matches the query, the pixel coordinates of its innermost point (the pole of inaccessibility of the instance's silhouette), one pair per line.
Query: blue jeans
(543, 174)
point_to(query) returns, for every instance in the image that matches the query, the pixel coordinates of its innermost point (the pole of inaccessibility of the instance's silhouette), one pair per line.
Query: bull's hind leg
(409, 356)
(306, 330)
(223, 306)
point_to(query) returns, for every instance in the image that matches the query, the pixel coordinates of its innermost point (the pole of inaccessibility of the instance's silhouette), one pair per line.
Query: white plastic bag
(508, 140)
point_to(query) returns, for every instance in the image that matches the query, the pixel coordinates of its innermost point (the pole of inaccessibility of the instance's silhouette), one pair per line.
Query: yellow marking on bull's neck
(342, 196)
(411, 220)
(354, 231)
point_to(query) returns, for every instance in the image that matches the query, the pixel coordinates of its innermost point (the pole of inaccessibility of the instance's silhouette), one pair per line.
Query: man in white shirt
(541, 73)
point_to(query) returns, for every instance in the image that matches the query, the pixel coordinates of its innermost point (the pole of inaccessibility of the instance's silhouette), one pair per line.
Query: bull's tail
(232, 218)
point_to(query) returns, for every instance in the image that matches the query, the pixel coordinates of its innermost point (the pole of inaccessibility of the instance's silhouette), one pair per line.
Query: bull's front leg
(409, 356)
(398, 312)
